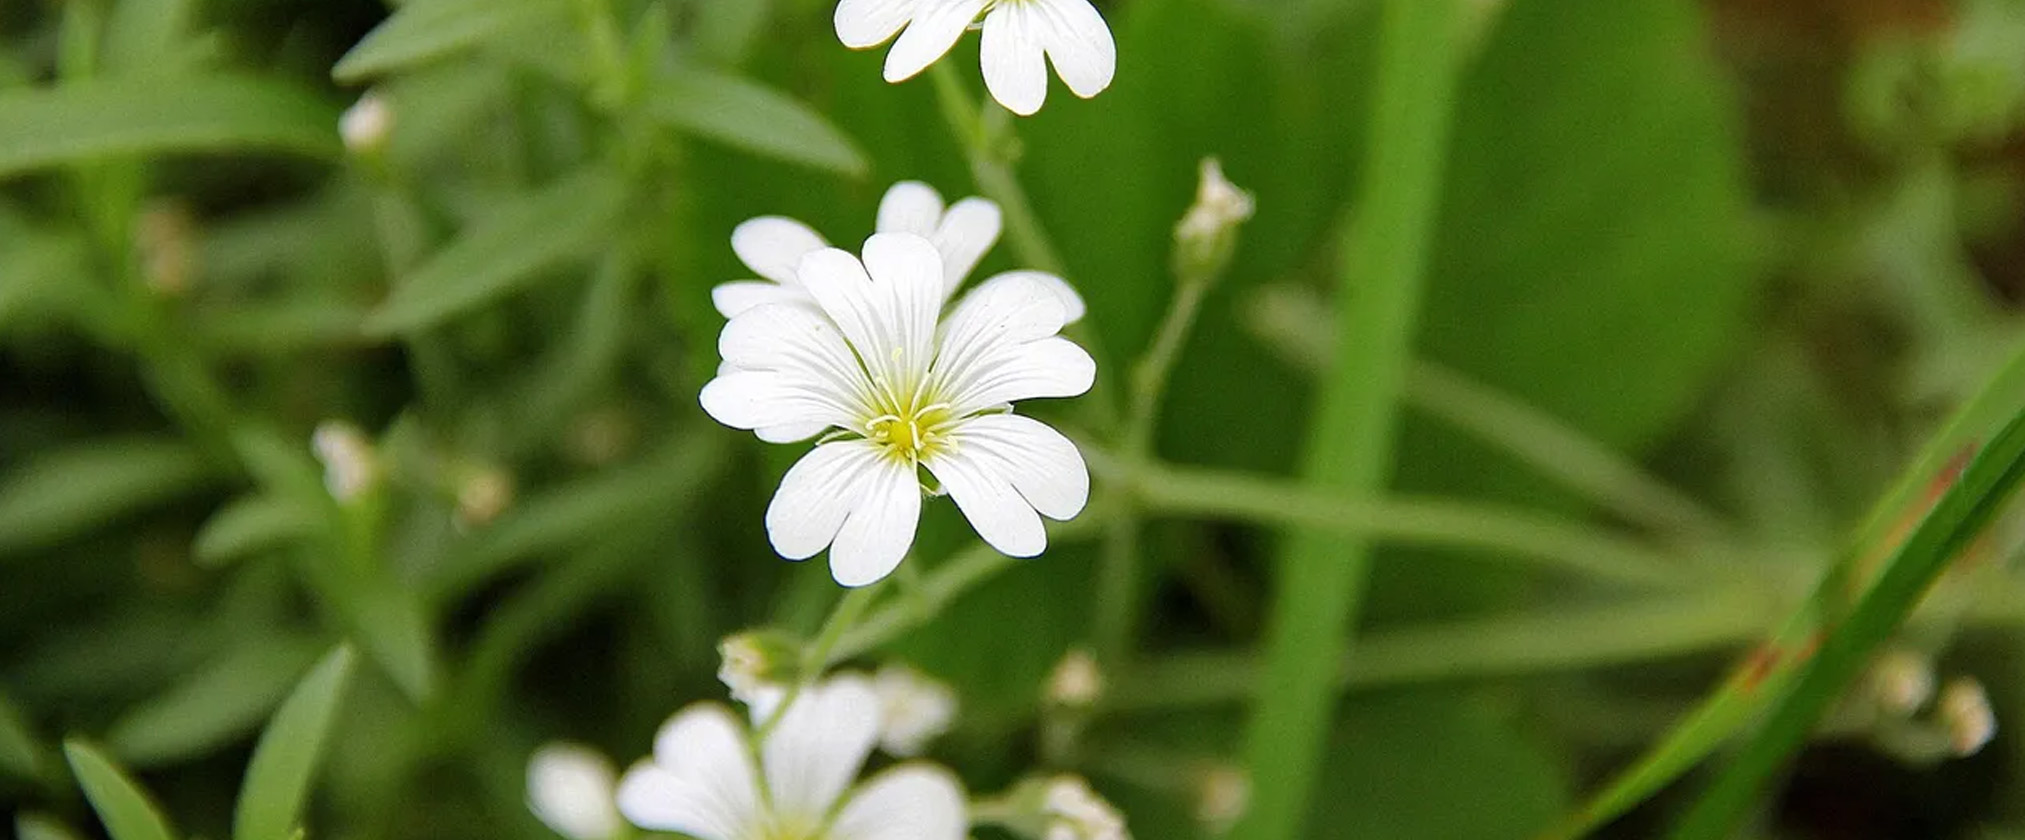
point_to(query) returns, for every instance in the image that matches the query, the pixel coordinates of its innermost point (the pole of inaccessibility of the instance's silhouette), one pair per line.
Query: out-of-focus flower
(1964, 710)
(704, 782)
(1902, 681)
(1222, 793)
(913, 709)
(350, 466)
(1075, 812)
(165, 237)
(1021, 38)
(571, 789)
(364, 126)
(1207, 234)
(901, 388)
(1076, 683)
(757, 667)
(483, 495)
(773, 247)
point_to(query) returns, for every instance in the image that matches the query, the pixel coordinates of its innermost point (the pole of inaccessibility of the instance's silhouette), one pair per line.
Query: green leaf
(141, 36)
(278, 779)
(754, 118)
(428, 29)
(388, 620)
(47, 127)
(124, 807)
(250, 525)
(20, 750)
(500, 253)
(33, 826)
(68, 492)
(1961, 517)
(224, 699)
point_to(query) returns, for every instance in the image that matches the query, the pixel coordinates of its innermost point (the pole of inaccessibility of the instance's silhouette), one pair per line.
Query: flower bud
(1964, 709)
(483, 495)
(1901, 681)
(1075, 812)
(350, 466)
(365, 125)
(165, 241)
(1076, 683)
(913, 709)
(1222, 793)
(758, 666)
(570, 788)
(1207, 234)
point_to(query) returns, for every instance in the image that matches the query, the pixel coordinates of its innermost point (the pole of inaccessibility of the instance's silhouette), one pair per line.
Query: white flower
(365, 125)
(913, 709)
(1964, 710)
(1075, 812)
(904, 389)
(350, 467)
(571, 789)
(773, 246)
(1076, 682)
(1021, 37)
(704, 781)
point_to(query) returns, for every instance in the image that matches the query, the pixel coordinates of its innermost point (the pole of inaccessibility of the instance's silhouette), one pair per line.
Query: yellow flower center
(911, 435)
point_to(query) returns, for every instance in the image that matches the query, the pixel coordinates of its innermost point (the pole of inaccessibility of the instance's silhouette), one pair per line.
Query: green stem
(817, 657)
(1320, 575)
(1119, 600)
(993, 173)
(1553, 640)
(1440, 523)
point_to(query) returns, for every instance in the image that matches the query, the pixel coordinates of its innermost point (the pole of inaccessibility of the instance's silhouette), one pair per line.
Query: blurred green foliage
(1747, 252)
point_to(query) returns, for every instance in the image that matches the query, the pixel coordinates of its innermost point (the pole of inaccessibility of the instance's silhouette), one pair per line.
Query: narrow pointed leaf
(42, 827)
(753, 118)
(20, 752)
(428, 29)
(498, 254)
(124, 807)
(71, 491)
(278, 779)
(45, 127)
(221, 701)
(250, 525)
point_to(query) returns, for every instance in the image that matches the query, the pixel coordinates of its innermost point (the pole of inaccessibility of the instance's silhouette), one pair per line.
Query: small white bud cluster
(757, 669)
(1900, 684)
(1075, 812)
(571, 789)
(1902, 681)
(350, 466)
(1964, 710)
(914, 709)
(364, 126)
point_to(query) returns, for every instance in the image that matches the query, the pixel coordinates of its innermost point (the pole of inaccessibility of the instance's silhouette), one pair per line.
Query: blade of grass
(1320, 576)
(1960, 517)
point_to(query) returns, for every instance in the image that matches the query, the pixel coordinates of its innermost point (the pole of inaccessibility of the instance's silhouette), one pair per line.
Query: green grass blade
(41, 827)
(1961, 516)
(753, 118)
(250, 525)
(121, 804)
(227, 698)
(278, 779)
(46, 127)
(20, 750)
(429, 29)
(498, 254)
(70, 491)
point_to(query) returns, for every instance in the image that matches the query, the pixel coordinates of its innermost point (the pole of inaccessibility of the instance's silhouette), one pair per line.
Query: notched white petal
(700, 782)
(815, 751)
(735, 298)
(572, 790)
(773, 245)
(1079, 44)
(963, 236)
(1004, 471)
(910, 207)
(1013, 58)
(936, 27)
(862, 24)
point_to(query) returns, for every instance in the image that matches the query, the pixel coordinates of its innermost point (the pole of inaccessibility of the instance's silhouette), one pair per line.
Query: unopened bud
(1964, 709)
(1207, 234)
(165, 241)
(350, 466)
(757, 668)
(365, 125)
(1222, 793)
(483, 495)
(1902, 681)
(570, 788)
(1077, 682)
(1075, 812)
(913, 709)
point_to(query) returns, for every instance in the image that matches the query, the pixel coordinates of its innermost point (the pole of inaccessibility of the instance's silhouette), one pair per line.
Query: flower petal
(815, 751)
(570, 788)
(965, 233)
(785, 365)
(734, 298)
(936, 27)
(886, 306)
(908, 802)
(701, 781)
(850, 496)
(1079, 44)
(1073, 308)
(1013, 57)
(910, 207)
(999, 346)
(773, 245)
(790, 432)
(1003, 469)
(869, 23)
